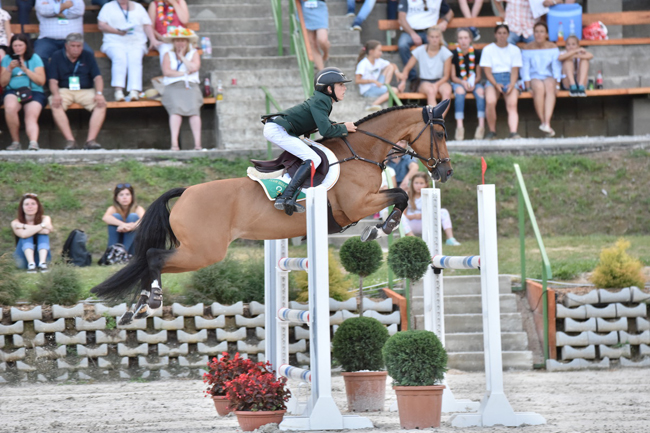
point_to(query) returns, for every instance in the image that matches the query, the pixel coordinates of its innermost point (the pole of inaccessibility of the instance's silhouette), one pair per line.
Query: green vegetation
(617, 268)
(59, 286)
(415, 358)
(358, 342)
(409, 257)
(362, 259)
(340, 284)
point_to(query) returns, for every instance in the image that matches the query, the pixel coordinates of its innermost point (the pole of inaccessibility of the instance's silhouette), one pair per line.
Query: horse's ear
(439, 109)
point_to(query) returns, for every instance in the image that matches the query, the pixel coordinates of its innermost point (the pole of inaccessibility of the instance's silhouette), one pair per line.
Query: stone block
(83, 325)
(110, 337)
(641, 324)
(350, 304)
(260, 333)
(571, 325)
(637, 294)
(12, 356)
(573, 300)
(243, 347)
(645, 362)
(392, 329)
(58, 326)
(64, 377)
(200, 362)
(644, 349)
(608, 339)
(383, 306)
(615, 352)
(101, 350)
(134, 325)
(385, 319)
(336, 318)
(33, 314)
(39, 339)
(163, 361)
(563, 339)
(143, 337)
(124, 350)
(295, 305)
(22, 366)
(608, 297)
(18, 341)
(255, 308)
(116, 311)
(64, 365)
(59, 352)
(201, 323)
(180, 310)
(603, 325)
(642, 338)
(2, 341)
(302, 333)
(59, 312)
(605, 312)
(303, 359)
(223, 335)
(83, 376)
(227, 310)
(637, 311)
(104, 363)
(574, 313)
(569, 352)
(212, 350)
(78, 338)
(199, 337)
(16, 328)
(576, 364)
(298, 346)
(595, 127)
(182, 349)
(623, 82)
(168, 325)
(249, 323)
(164, 374)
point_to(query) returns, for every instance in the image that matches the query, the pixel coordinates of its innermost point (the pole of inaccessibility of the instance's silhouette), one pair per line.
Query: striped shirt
(520, 17)
(55, 24)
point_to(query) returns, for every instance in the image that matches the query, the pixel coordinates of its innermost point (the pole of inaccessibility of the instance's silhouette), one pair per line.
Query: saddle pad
(273, 183)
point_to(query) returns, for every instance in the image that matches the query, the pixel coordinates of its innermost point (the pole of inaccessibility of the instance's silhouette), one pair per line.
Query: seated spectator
(74, 77)
(126, 27)
(316, 17)
(415, 18)
(519, 17)
(164, 14)
(501, 62)
(383, 214)
(466, 76)
(575, 66)
(434, 62)
(182, 96)
(56, 20)
(473, 13)
(123, 217)
(365, 10)
(23, 77)
(405, 166)
(32, 230)
(541, 72)
(5, 32)
(24, 11)
(374, 73)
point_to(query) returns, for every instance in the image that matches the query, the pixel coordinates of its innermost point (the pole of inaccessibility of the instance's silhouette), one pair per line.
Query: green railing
(276, 5)
(392, 98)
(300, 48)
(268, 100)
(526, 207)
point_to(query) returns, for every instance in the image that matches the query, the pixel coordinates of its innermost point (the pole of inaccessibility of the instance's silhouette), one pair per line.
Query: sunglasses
(502, 23)
(30, 194)
(123, 185)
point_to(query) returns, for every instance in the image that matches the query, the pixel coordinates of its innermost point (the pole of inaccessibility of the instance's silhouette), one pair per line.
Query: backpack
(74, 249)
(116, 254)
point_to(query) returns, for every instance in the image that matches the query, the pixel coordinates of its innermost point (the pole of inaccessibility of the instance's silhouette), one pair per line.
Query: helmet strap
(333, 95)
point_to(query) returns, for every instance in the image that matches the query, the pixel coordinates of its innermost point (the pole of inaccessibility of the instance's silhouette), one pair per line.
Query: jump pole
(321, 412)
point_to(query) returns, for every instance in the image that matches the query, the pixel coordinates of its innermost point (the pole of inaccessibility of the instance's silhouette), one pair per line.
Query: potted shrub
(357, 346)
(417, 363)
(257, 397)
(362, 259)
(221, 371)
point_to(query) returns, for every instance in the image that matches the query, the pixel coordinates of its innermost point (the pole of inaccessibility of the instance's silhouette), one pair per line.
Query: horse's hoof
(156, 298)
(142, 312)
(369, 234)
(126, 318)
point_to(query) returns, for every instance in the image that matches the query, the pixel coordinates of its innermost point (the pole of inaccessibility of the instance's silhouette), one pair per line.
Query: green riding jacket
(311, 114)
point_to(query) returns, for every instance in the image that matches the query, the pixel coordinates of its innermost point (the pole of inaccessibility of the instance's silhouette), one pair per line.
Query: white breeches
(276, 134)
(126, 60)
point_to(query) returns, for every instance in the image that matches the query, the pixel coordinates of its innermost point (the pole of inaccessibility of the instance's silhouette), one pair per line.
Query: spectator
(434, 62)
(383, 214)
(405, 166)
(365, 10)
(23, 77)
(575, 66)
(5, 32)
(519, 17)
(473, 13)
(541, 73)
(182, 95)
(57, 19)
(122, 217)
(32, 230)
(74, 77)
(24, 11)
(416, 18)
(467, 77)
(166, 13)
(126, 27)
(373, 74)
(501, 62)
(316, 18)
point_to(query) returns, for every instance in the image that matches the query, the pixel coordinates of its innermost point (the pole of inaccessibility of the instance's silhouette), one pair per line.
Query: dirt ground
(611, 401)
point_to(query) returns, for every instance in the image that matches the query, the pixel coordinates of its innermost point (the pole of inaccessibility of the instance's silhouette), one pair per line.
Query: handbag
(24, 94)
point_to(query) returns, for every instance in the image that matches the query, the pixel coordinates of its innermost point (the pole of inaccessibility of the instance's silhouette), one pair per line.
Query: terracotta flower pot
(221, 404)
(249, 420)
(419, 406)
(366, 390)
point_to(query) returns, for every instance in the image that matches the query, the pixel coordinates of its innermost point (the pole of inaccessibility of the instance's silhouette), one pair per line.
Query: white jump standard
(321, 412)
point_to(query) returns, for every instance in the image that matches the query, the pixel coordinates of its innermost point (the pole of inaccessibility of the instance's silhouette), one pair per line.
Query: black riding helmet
(326, 78)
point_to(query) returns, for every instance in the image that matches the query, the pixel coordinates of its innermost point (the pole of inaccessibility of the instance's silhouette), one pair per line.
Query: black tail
(154, 231)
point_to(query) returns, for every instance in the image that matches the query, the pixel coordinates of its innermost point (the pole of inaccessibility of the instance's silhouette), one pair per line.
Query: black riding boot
(287, 201)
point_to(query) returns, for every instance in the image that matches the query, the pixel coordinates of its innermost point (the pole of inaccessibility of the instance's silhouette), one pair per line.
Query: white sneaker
(453, 242)
(119, 95)
(356, 28)
(31, 268)
(134, 95)
(350, 15)
(43, 267)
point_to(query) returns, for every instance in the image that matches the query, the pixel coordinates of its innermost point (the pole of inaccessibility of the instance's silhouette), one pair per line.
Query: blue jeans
(99, 2)
(126, 239)
(404, 47)
(513, 38)
(45, 47)
(502, 78)
(41, 242)
(24, 9)
(374, 91)
(459, 101)
(365, 10)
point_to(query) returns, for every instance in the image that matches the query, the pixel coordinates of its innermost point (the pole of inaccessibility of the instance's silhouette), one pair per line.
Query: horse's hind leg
(151, 297)
(400, 198)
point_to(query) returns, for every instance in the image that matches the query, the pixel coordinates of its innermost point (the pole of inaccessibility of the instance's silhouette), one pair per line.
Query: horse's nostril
(450, 172)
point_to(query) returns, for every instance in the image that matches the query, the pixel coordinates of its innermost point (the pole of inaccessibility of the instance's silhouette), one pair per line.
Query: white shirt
(177, 66)
(431, 68)
(391, 173)
(368, 71)
(417, 17)
(136, 18)
(54, 27)
(501, 59)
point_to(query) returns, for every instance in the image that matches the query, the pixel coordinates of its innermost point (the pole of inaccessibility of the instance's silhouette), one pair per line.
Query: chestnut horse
(209, 216)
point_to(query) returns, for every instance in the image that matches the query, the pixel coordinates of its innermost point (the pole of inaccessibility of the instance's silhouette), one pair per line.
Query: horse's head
(430, 142)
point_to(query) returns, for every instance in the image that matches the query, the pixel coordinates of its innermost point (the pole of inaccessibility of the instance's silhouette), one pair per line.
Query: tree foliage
(409, 257)
(357, 344)
(617, 269)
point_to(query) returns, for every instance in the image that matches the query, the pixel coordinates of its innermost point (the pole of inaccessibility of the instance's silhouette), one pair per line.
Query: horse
(207, 217)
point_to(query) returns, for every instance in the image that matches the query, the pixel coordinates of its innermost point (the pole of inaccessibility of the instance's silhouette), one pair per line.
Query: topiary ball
(415, 358)
(361, 258)
(358, 342)
(409, 257)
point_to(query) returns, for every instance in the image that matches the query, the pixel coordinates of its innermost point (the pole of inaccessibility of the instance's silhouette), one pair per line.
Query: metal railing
(268, 100)
(301, 48)
(392, 97)
(276, 6)
(526, 207)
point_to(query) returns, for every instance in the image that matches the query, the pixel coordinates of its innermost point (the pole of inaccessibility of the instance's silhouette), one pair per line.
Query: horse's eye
(440, 135)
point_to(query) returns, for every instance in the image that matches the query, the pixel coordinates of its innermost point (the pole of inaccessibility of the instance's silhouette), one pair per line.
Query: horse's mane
(384, 111)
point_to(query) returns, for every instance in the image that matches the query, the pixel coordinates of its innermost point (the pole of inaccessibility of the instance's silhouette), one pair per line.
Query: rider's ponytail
(370, 45)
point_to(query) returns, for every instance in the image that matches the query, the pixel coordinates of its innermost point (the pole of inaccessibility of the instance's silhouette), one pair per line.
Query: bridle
(431, 162)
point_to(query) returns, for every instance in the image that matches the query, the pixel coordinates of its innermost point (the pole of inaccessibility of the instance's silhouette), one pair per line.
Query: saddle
(290, 163)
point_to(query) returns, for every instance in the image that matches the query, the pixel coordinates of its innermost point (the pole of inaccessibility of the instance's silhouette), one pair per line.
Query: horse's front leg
(397, 197)
(151, 297)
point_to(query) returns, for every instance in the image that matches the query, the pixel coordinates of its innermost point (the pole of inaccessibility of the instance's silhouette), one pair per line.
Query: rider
(285, 127)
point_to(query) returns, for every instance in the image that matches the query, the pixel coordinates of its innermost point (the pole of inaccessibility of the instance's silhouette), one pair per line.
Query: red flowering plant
(258, 390)
(224, 370)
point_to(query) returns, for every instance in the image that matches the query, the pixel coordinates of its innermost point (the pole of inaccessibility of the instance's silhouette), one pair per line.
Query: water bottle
(207, 89)
(599, 80)
(572, 28)
(207, 49)
(203, 44)
(560, 32)
(219, 91)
